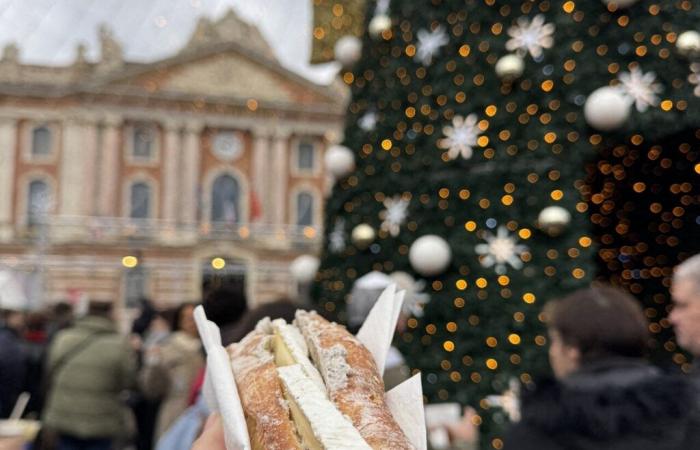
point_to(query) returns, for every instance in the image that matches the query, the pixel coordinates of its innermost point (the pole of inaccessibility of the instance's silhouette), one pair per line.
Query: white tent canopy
(12, 295)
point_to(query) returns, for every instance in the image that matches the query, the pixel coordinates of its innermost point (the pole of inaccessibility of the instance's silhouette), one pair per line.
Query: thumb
(212, 437)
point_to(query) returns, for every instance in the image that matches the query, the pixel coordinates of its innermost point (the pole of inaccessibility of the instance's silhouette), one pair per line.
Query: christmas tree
(478, 157)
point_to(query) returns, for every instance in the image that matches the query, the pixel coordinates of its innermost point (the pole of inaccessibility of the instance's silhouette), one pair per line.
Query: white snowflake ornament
(640, 88)
(429, 44)
(530, 37)
(394, 215)
(337, 237)
(368, 122)
(461, 137)
(501, 250)
(694, 78)
(415, 299)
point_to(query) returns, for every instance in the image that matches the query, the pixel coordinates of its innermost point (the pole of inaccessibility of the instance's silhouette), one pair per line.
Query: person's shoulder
(521, 436)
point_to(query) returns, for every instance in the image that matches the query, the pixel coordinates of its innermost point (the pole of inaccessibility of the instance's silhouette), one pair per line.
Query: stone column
(262, 166)
(279, 177)
(109, 168)
(8, 148)
(71, 169)
(190, 182)
(90, 160)
(171, 170)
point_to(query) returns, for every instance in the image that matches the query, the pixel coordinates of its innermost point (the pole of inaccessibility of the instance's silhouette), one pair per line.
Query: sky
(48, 31)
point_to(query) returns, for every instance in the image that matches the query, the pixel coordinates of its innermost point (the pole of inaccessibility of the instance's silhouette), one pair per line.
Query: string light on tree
(620, 3)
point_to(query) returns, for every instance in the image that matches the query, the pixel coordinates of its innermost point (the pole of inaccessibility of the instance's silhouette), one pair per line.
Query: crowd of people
(93, 389)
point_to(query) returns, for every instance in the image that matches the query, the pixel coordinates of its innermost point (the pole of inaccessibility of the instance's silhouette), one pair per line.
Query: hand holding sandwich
(212, 437)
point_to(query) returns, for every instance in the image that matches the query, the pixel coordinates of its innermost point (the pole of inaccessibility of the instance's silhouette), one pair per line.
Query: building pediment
(223, 70)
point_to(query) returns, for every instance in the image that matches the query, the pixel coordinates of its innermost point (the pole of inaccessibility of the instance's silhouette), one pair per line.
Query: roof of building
(225, 61)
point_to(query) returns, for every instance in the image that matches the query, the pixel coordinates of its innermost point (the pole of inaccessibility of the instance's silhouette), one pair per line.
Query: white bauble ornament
(620, 3)
(363, 235)
(607, 109)
(510, 67)
(304, 268)
(553, 220)
(339, 161)
(379, 24)
(430, 255)
(688, 43)
(348, 50)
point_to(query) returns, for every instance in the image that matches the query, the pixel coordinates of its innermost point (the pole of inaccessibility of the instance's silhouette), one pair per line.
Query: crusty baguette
(352, 380)
(266, 411)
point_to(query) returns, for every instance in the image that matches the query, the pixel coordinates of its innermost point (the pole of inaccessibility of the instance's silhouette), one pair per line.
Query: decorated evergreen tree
(471, 127)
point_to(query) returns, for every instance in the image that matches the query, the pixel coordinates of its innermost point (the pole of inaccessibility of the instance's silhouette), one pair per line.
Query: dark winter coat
(13, 366)
(695, 380)
(610, 405)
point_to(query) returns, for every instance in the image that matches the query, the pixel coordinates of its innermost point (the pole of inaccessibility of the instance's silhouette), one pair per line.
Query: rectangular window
(306, 156)
(140, 201)
(143, 142)
(135, 287)
(305, 209)
(41, 141)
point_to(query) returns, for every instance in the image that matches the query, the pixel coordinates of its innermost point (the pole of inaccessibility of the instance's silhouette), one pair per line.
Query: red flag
(255, 206)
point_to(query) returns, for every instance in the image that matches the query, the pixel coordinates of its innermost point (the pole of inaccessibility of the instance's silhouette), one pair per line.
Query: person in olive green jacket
(90, 366)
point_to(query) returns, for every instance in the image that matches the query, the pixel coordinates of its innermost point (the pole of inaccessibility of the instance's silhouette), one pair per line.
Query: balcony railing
(116, 230)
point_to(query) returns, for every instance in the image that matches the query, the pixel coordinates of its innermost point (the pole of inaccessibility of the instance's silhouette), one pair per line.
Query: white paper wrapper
(405, 401)
(220, 387)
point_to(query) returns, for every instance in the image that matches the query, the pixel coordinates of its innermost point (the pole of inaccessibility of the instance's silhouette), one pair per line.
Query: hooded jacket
(614, 404)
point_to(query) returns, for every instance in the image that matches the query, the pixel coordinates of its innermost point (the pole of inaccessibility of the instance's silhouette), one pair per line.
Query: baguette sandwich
(312, 385)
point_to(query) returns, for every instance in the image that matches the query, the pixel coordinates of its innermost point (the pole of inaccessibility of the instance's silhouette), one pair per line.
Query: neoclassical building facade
(163, 179)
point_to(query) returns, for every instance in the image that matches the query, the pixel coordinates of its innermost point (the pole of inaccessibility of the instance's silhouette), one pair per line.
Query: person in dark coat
(13, 360)
(606, 396)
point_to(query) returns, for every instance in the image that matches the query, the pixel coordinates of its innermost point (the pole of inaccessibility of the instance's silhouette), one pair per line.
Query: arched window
(140, 196)
(41, 141)
(38, 201)
(225, 204)
(305, 209)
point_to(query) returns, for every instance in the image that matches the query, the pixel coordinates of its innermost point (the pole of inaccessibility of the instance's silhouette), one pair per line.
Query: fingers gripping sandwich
(312, 385)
